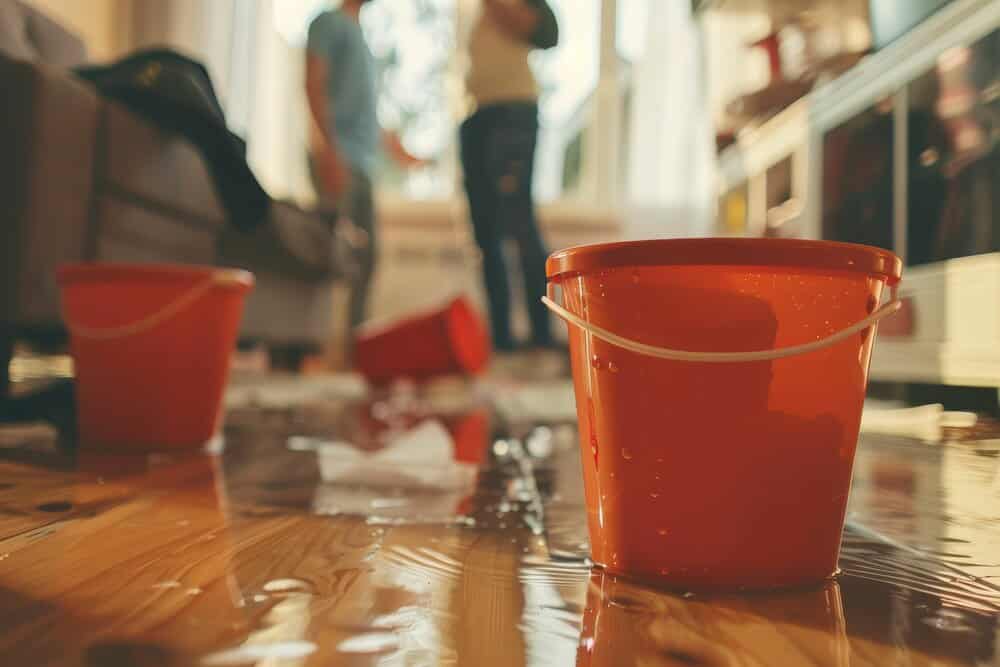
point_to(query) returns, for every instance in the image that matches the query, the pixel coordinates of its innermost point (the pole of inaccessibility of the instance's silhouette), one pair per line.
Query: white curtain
(258, 74)
(671, 182)
(198, 28)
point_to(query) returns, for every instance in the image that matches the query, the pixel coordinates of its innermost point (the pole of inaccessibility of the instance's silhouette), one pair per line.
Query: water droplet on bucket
(662, 531)
(664, 571)
(626, 454)
(635, 277)
(689, 595)
(595, 361)
(613, 367)
(654, 496)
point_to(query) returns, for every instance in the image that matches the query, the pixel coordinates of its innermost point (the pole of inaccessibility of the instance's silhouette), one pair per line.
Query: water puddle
(481, 556)
(288, 586)
(255, 653)
(372, 642)
(866, 555)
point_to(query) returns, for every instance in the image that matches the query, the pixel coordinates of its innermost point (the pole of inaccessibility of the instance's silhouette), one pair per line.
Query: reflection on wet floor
(270, 556)
(512, 583)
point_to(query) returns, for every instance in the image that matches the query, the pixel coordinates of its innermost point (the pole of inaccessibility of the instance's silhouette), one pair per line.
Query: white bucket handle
(889, 308)
(220, 277)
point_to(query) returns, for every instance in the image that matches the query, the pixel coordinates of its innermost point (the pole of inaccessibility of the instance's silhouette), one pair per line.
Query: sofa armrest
(48, 126)
(293, 243)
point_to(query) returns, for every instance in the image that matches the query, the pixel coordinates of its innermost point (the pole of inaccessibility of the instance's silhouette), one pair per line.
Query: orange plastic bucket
(448, 340)
(719, 386)
(151, 347)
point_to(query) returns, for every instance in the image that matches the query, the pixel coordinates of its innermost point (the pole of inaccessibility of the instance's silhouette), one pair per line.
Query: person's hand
(333, 172)
(397, 150)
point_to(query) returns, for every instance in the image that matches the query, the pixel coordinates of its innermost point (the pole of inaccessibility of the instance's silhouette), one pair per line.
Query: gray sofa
(83, 179)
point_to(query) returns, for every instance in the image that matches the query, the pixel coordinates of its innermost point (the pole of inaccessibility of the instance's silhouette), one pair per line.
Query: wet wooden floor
(308, 544)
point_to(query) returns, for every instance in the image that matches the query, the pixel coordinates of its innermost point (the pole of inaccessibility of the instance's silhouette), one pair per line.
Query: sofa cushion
(292, 242)
(158, 169)
(283, 310)
(130, 233)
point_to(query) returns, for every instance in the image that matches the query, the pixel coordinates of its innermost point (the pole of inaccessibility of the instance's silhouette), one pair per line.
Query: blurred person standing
(498, 153)
(344, 145)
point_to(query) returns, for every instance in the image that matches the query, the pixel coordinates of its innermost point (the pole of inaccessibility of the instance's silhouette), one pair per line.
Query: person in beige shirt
(498, 152)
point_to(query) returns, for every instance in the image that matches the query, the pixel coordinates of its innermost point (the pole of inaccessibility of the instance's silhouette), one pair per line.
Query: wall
(198, 28)
(104, 24)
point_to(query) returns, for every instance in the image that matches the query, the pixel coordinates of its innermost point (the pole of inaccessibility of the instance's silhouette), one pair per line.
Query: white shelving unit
(953, 306)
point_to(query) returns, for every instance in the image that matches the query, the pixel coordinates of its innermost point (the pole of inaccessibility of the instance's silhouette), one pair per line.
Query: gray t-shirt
(350, 87)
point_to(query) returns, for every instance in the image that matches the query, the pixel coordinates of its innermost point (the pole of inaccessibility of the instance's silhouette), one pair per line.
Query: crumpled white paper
(420, 458)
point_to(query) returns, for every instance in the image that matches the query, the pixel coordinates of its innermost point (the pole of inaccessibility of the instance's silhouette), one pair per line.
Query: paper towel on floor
(924, 422)
(422, 457)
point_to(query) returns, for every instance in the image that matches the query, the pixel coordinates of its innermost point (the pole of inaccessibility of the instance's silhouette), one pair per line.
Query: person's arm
(331, 168)
(393, 145)
(530, 21)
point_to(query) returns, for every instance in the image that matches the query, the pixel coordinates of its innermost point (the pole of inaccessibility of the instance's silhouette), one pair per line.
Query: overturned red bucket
(448, 340)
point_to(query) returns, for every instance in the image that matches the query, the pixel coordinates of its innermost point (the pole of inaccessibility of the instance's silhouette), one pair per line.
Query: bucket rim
(831, 255)
(91, 272)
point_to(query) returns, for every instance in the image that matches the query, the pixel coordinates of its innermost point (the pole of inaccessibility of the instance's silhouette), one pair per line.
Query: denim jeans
(498, 155)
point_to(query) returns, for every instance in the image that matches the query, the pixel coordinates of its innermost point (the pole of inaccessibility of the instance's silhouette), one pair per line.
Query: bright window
(585, 110)
(567, 76)
(414, 44)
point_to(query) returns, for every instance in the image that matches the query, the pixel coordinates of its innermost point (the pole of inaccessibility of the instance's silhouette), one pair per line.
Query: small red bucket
(719, 386)
(445, 341)
(151, 347)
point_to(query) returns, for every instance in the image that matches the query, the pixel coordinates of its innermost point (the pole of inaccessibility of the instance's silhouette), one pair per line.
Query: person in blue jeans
(498, 154)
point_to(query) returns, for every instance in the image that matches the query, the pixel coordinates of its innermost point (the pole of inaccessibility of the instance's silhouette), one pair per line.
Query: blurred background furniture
(899, 151)
(84, 179)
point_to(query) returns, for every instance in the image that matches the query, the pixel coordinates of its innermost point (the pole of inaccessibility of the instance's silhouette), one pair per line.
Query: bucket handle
(221, 277)
(888, 308)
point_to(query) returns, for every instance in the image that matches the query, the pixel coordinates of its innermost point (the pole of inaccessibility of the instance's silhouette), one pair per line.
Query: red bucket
(151, 347)
(445, 341)
(719, 386)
